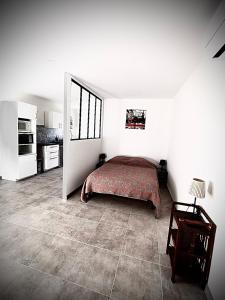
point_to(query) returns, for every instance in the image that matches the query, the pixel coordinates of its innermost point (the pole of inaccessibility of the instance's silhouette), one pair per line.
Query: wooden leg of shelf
(203, 284)
(167, 248)
(168, 242)
(173, 272)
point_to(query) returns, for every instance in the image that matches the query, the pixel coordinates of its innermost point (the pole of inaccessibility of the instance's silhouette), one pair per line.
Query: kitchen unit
(53, 120)
(49, 140)
(50, 156)
(18, 157)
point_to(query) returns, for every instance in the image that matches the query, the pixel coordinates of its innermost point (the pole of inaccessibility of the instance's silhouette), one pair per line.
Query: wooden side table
(190, 242)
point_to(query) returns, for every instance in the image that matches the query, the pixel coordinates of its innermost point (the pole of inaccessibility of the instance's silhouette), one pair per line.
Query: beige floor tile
(115, 217)
(94, 268)
(57, 258)
(21, 244)
(121, 204)
(164, 260)
(179, 290)
(108, 236)
(136, 279)
(91, 212)
(162, 235)
(141, 246)
(143, 224)
(78, 245)
(24, 283)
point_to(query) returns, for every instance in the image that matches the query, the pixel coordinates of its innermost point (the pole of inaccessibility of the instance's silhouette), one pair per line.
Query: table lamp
(197, 189)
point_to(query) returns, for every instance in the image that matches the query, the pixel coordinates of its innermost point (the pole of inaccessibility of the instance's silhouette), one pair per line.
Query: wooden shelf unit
(190, 242)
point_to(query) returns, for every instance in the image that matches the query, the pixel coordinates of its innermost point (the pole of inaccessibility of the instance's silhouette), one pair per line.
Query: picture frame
(135, 119)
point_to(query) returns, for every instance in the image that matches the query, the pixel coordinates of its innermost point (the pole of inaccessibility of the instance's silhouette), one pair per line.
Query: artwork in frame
(135, 119)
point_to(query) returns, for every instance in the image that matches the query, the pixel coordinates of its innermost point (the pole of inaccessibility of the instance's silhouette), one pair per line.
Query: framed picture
(135, 119)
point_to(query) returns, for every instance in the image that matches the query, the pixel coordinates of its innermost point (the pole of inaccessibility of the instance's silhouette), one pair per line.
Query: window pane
(97, 119)
(84, 114)
(92, 117)
(74, 110)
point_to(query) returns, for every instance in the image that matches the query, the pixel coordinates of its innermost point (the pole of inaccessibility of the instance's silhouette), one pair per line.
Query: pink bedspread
(125, 176)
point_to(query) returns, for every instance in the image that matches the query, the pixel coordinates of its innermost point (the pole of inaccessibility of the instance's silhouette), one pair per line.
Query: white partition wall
(83, 110)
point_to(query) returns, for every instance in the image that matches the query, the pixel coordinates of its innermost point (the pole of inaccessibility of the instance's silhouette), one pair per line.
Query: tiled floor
(111, 247)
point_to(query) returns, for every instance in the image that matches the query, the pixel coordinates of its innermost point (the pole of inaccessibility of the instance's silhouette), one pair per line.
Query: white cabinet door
(53, 120)
(27, 111)
(27, 166)
(57, 120)
(51, 156)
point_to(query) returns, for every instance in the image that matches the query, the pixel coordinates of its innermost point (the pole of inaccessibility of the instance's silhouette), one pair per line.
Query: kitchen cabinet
(27, 165)
(51, 156)
(27, 111)
(18, 140)
(53, 119)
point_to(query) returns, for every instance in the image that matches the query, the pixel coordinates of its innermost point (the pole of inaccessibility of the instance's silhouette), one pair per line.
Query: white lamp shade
(197, 188)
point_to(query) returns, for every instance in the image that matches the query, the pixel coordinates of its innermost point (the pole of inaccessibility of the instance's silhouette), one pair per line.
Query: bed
(131, 177)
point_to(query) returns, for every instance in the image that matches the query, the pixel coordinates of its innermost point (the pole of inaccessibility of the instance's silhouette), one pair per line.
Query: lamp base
(194, 205)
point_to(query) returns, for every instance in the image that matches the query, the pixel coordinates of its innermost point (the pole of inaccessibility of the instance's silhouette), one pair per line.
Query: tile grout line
(119, 254)
(161, 285)
(86, 243)
(93, 232)
(45, 210)
(140, 259)
(62, 278)
(64, 238)
(113, 283)
(160, 267)
(125, 235)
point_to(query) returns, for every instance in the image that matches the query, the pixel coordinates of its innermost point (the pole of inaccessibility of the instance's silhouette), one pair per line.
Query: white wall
(151, 143)
(42, 104)
(80, 156)
(83, 157)
(197, 149)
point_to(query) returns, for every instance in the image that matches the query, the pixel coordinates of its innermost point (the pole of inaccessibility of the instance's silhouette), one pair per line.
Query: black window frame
(88, 117)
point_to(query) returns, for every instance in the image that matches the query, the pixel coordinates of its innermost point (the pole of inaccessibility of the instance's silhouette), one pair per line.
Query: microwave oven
(24, 125)
(26, 138)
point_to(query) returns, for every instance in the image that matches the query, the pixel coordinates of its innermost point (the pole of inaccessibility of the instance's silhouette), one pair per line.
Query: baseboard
(208, 293)
(73, 192)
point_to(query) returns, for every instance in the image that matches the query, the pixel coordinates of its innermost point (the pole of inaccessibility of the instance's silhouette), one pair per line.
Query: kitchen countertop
(50, 143)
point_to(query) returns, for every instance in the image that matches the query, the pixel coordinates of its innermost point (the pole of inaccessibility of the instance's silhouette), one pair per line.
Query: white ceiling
(124, 49)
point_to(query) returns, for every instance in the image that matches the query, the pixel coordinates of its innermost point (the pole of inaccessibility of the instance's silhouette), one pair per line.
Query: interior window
(75, 111)
(85, 116)
(98, 118)
(92, 117)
